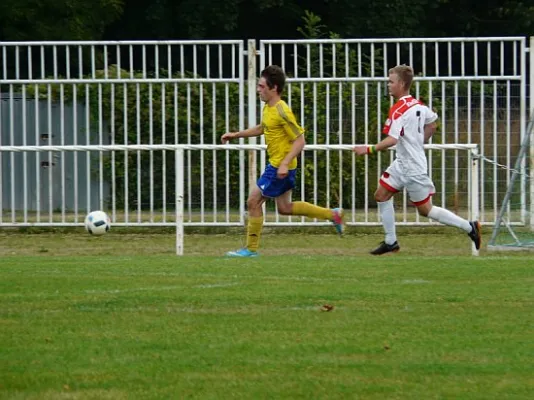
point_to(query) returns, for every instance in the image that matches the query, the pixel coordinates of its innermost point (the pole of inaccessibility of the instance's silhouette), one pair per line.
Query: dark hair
(274, 76)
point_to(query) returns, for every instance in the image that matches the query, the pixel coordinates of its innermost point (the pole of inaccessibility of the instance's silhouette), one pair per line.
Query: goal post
(179, 185)
(505, 235)
(469, 166)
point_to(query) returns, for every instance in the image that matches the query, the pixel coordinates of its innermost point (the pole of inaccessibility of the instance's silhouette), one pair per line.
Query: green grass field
(121, 317)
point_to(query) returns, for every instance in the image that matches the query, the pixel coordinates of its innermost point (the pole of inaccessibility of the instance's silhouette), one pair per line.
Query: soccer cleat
(242, 253)
(475, 234)
(386, 248)
(337, 220)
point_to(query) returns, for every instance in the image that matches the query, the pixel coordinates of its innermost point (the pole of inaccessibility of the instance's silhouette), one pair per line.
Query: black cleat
(386, 248)
(475, 234)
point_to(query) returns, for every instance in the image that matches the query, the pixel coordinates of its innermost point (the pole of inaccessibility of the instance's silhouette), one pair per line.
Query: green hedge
(162, 125)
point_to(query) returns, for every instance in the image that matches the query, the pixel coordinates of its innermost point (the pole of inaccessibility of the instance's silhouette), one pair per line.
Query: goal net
(514, 226)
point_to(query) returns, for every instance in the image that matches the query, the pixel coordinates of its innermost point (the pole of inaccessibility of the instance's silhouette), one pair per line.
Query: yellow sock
(311, 211)
(255, 224)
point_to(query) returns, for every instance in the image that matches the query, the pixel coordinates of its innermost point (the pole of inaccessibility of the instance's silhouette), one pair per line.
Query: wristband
(371, 149)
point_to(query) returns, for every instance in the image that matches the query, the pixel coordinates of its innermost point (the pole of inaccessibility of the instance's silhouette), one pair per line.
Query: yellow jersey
(280, 129)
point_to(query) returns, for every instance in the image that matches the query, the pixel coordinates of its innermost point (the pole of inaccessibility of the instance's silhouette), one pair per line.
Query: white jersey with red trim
(406, 121)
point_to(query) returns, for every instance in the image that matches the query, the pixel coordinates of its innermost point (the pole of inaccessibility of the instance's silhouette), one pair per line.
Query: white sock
(448, 218)
(388, 220)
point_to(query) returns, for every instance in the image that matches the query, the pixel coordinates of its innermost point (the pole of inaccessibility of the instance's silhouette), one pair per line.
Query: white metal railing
(119, 92)
(113, 92)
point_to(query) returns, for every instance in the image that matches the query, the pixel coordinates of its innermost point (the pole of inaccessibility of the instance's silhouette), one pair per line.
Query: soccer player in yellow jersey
(285, 141)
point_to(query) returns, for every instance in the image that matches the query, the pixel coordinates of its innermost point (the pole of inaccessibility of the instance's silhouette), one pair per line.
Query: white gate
(189, 92)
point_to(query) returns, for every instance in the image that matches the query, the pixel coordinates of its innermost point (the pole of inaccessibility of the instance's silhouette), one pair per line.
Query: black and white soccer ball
(97, 223)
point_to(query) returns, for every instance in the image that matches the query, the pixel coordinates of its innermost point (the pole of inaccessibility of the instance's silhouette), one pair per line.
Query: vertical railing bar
(164, 153)
(100, 153)
(24, 156)
(143, 61)
(113, 157)
(456, 139)
(353, 155)
(508, 137)
(340, 141)
(482, 153)
(93, 63)
(87, 153)
(151, 153)
(295, 59)
(125, 155)
(67, 60)
(118, 57)
(327, 142)
(188, 153)
(12, 154)
(304, 156)
(62, 143)
(315, 141)
(50, 155)
(227, 152)
(4, 61)
(106, 75)
(214, 153)
(169, 61)
(131, 61)
(75, 155)
(176, 117)
(138, 125)
(201, 137)
(495, 152)
(37, 157)
(444, 141)
(366, 141)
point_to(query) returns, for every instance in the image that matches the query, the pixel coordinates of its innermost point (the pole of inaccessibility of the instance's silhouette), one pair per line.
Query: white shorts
(419, 187)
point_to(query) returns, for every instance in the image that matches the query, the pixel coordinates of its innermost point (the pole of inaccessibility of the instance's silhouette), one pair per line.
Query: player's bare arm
(296, 149)
(383, 145)
(429, 130)
(250, 132)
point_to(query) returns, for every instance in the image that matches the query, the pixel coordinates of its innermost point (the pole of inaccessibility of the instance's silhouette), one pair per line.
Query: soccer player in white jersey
(409, 125)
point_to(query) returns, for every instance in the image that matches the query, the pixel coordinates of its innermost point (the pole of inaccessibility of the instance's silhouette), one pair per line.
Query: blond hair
(405, 74)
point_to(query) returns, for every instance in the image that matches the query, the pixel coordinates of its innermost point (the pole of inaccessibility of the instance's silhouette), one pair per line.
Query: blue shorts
(271, 186)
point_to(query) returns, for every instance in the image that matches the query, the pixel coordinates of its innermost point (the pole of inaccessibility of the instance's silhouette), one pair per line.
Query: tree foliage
(57, 19)
(260, 19)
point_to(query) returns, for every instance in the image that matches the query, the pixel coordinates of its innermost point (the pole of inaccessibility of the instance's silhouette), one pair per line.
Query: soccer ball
(97, 223)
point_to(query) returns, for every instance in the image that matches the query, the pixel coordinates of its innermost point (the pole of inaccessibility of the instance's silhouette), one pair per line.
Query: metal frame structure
(59, 94)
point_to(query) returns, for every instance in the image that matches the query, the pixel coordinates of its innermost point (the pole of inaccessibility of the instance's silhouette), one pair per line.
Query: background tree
(260, 19)
(57, 19)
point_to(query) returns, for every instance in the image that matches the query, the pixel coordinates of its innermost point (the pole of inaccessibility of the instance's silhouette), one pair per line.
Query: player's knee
(252, 203)
(424, 209)
(285, 209)
(381, 196)
(423, 212)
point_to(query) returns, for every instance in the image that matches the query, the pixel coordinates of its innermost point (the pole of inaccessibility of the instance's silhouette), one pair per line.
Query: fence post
(475, 168)
(179, 197)
(251, 84)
